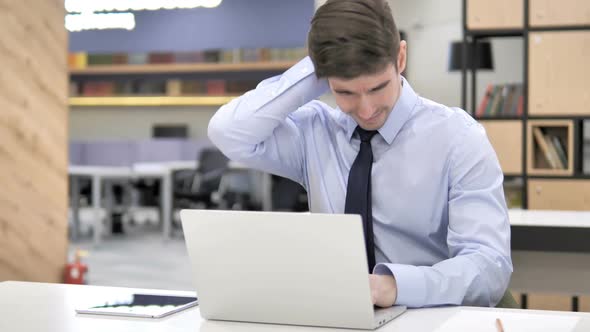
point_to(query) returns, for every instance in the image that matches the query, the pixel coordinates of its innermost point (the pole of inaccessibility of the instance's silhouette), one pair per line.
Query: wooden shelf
(555, 100)
(151, 101)
(506, 138)
(559, 13)
(538, 154)
(561, 89)
(182, 68)
(499, 14)
(562, 194)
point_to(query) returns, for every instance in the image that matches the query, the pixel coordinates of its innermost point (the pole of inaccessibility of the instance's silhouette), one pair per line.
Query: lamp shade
(479, 56)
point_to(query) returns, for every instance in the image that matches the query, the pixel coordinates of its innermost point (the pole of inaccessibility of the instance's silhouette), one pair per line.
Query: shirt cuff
(299, 82)
(410, 280)
(297, 72)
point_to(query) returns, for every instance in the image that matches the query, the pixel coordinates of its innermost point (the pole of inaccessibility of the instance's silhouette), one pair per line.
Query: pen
(499, 326)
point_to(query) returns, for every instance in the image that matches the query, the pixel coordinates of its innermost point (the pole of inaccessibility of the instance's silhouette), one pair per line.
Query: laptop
(282, 268)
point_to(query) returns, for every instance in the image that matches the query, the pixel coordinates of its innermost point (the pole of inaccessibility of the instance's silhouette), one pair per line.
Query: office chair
(235, 191)
(288, 195)
(193, 187)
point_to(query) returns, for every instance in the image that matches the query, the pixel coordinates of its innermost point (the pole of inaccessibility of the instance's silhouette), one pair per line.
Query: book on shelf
(120, 59)
(560, 149)
(160, 58)
(80, 60)
(193, 87)
(553, 152)
(496, 101)
(124, 88)
(160, 87)
(189, 57)
(98, 88)
(216, 87)
(229, 56)
(137, 59)
(240, 87)
(552, 149)
(501, 100)
(484, 101)
(211, 56)
(99, 59)
(173, 87)
(150, 87)
(540, 140)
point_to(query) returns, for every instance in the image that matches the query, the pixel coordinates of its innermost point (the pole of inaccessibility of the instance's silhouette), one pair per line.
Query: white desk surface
(106, 171)
(140, 169)
(31, 307)
(548, 218)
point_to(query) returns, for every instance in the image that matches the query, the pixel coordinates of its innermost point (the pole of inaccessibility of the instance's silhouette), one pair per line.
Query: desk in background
(29, 307)
(160, 170)
(551, 258)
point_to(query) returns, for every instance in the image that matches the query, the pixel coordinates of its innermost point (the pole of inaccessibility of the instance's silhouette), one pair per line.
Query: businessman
(423, 176)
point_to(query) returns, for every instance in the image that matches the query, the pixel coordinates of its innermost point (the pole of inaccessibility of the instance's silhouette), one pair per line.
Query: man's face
(368, 99)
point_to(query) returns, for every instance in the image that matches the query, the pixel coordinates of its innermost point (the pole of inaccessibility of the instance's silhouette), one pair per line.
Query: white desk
(160, 170)
(31, 307)
(548, 218)
(97, 174)
(565, 273)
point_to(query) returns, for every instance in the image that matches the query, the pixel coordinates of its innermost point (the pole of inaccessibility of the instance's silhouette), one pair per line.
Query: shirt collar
(396, 119)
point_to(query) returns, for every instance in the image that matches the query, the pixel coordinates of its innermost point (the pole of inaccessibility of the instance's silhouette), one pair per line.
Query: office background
(45, 119)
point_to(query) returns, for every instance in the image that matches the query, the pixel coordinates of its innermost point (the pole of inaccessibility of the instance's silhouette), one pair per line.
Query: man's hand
(383, 290)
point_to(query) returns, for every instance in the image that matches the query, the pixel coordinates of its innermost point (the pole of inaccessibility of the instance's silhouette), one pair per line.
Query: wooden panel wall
(498, 14)
(33, 140)
(558, 79)
(506, 138)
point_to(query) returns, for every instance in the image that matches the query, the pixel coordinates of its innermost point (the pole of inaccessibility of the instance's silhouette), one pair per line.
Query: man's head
(355, 44)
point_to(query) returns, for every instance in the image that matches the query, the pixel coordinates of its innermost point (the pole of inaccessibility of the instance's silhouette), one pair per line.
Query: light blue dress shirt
(439, 216)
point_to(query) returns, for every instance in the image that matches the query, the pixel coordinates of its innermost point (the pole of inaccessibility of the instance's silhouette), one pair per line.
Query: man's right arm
(261, 128)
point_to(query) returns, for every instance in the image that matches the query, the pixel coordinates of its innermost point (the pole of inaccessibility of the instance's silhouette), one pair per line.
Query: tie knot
(365, 135)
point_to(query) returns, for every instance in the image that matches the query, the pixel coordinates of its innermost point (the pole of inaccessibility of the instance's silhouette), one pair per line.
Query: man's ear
(329, 84)
(402, 56)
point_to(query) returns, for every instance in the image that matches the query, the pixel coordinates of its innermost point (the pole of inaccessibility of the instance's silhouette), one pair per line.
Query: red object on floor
(75, 272)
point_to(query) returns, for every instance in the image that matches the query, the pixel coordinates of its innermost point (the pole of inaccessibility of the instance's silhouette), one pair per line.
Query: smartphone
(138, 305)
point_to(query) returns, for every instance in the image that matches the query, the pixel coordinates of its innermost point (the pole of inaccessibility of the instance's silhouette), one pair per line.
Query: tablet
(138, 305)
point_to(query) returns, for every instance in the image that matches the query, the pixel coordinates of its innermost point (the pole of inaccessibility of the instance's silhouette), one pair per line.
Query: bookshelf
(181, 68)
(151, 101)
(550, 146)
(199, 78)
(542, 144)
(541, 136)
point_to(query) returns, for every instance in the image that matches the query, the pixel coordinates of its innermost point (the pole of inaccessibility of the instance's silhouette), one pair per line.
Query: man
(423, 176)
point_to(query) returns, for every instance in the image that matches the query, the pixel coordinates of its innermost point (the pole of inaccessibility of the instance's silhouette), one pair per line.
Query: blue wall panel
(235, 23)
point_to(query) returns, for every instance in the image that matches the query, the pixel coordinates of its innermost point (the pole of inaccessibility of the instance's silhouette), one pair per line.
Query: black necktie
(358, 191)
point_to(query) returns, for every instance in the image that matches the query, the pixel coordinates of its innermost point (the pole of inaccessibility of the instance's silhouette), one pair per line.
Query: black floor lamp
(478, 57)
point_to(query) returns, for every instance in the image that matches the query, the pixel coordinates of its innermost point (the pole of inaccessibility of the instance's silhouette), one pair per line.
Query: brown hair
(350, 38)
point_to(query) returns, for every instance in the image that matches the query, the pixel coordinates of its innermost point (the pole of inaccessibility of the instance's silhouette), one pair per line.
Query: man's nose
(365, 110)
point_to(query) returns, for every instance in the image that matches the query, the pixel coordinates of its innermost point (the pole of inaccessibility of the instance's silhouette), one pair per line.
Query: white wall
(99, 123)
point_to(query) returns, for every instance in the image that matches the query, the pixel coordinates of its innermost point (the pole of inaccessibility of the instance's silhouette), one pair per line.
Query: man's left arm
(478, 238)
